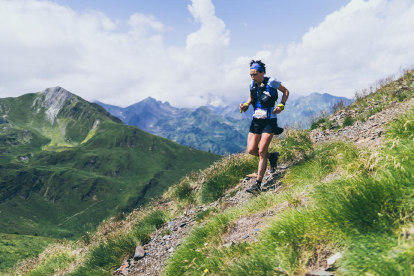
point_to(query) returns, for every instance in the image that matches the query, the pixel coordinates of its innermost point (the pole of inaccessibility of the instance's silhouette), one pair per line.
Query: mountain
(201, 128)
(298, 109)
(216, 127)
(67, 164)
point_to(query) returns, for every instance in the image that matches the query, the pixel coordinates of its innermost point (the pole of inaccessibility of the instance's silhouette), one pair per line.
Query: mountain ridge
(222, 130)
(67, 164)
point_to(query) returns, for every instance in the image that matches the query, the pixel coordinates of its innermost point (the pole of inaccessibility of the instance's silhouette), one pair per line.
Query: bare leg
(253, 143)
(263, 154)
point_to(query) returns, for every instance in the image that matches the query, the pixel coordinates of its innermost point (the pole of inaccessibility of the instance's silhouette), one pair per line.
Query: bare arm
(243, 106)
(285, 93)
(285, 96)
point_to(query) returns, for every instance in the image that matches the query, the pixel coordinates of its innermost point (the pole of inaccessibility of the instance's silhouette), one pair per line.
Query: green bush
(348, 121)
(183, 191)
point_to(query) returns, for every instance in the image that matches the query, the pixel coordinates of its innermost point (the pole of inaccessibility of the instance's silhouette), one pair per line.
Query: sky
(185, 51)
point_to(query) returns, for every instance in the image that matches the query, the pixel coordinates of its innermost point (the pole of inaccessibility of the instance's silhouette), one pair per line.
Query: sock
(258, 182)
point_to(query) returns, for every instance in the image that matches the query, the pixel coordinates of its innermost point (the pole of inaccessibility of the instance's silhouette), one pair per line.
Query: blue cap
(257, 66)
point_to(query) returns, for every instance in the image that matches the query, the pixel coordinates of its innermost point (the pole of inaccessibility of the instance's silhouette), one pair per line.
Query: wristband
(281, 106)
(246, 104)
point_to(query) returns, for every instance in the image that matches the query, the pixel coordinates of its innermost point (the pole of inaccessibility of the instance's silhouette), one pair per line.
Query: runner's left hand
(277, 110)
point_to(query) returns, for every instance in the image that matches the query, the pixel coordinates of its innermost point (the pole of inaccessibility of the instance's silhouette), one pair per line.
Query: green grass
(359, 213)
(17, 247)
(348, 121)
(108, 255)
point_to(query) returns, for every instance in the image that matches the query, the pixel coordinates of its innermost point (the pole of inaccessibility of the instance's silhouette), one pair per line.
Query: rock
(171, 250)
(183, 224)
(228, 244)
(3, 121)
(319, 273)
(139, 253)
(360, 140)
(332, 259)
(124, 268)
(245, 237)
(166, 237)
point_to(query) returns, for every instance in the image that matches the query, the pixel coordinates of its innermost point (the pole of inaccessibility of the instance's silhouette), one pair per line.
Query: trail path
(165, 240)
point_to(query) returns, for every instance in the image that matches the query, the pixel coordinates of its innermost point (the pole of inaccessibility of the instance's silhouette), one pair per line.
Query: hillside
(67, 164)
(200, 129)
(340, 203)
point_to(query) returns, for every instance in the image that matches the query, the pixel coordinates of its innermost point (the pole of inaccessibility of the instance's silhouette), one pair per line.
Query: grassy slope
(16, 247)
(340, 198)
(361, 213)
(84, 175)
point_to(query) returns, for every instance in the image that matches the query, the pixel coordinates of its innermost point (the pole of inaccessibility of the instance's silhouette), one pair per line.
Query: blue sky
(244, 19)
(120, 52)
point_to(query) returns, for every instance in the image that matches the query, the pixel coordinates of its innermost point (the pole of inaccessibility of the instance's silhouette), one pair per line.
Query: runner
(263, 96)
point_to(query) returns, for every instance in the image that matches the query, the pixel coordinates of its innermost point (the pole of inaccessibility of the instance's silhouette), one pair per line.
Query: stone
(124, 268)
(228, 244)
(166, 237)
(139, 253)
(245, 237)
(171, 250)
(332, 259)
(360, 140)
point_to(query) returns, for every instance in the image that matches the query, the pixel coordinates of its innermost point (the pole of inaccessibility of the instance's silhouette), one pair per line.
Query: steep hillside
(67, 164)
(200, 129)
(338, 204)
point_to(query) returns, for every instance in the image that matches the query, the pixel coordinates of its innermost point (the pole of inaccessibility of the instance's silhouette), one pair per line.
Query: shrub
(348, 121)
(183, 191)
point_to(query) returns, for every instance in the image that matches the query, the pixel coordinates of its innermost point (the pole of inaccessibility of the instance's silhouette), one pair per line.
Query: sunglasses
(251, 75)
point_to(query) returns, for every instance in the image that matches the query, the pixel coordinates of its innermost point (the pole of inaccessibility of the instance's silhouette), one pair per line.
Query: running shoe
(254, 189)
(273, 161)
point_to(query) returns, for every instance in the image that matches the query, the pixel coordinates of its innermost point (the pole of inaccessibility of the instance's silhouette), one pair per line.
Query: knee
(251, 151)
(263, 154)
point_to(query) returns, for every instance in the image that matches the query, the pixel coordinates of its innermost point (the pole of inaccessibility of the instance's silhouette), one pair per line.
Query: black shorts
(259, 126)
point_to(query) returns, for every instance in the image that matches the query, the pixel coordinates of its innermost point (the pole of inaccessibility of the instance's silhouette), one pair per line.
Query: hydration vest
(266, 96)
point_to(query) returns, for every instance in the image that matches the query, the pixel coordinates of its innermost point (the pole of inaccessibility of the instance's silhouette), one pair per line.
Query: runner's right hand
(243, 107)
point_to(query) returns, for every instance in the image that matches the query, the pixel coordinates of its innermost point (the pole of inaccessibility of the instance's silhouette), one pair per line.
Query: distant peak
(54, 98)
(55, 90)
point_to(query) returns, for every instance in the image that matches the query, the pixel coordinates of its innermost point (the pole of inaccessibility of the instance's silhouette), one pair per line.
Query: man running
(263, 96)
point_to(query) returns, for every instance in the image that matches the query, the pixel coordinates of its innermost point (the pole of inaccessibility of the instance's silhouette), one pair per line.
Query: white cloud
(44, 44)
(350, 49)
